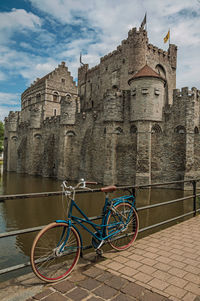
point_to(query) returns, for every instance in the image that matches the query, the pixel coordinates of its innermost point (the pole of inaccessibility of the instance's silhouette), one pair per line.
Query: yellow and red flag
(166, 38)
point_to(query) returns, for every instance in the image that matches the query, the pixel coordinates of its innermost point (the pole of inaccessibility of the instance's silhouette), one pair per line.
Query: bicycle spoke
(124, 221)
(52, 257)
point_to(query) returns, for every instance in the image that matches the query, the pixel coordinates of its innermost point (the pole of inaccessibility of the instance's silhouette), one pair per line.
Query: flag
(144, 21)
(166, 38)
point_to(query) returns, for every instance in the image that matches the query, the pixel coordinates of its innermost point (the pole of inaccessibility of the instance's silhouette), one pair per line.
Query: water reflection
(27, 213)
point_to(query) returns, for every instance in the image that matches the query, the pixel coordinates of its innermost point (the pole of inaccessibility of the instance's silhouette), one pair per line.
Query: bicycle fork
(61, 245)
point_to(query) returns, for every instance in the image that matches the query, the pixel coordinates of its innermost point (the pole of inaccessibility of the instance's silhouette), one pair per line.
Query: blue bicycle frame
(100, 229)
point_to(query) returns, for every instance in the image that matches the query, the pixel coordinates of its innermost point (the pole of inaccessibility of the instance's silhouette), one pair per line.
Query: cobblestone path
(160, 267)
(166, 262)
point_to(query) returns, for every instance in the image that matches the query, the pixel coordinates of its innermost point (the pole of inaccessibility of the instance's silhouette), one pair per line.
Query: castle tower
(147, 95)
(136, 48)
(146, 106)
(11, 141)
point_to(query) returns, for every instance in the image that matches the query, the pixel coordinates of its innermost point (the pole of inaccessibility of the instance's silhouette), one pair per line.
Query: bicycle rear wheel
(122, 218)
(48, 261)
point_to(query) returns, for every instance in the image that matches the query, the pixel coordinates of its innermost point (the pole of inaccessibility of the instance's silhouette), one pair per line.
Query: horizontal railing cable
(28, 230)
(165, 203)
(48, 194)
(166, 222)
(23, 265)
(56, 193)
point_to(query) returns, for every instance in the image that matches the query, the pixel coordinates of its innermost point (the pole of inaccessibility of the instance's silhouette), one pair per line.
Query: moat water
(27, 213)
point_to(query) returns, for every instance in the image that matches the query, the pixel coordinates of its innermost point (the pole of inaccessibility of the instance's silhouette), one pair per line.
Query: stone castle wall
(109, 129)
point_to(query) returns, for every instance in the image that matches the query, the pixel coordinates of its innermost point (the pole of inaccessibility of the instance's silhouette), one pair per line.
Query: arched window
(70, 133)
(196, 130)
(133, 129)
(156, 129)
(160, 69)
(37, 136)
(14, 138)
(180, 129)
(55, 96)
(68, 97)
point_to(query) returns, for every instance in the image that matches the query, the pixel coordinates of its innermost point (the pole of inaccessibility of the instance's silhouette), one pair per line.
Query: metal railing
(194, 196)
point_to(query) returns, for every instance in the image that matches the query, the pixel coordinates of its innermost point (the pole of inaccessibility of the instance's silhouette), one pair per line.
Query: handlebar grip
(92, 183)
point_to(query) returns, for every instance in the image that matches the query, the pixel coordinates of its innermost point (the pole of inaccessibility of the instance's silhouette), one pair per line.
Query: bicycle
(57, 247)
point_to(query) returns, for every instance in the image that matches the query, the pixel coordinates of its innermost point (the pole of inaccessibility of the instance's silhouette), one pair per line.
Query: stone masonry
(125, 123)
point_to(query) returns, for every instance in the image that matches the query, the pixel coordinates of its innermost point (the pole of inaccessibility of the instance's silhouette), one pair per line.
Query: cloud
(8, 102)
(17, 20)
(33, 43)
(11, 98)
(38, 69)
(112, 19)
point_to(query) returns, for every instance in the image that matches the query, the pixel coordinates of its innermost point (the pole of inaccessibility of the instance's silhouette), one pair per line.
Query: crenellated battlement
(137, 36)
(166, 56)
(13, 116)
(113, 53)
(133, 35)
(185, 93)
(134, 31)
(24, 124)
(52, 119)
(157, 50)
(95, 68)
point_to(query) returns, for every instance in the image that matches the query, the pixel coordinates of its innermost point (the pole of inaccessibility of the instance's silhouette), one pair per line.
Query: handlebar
(81, 184)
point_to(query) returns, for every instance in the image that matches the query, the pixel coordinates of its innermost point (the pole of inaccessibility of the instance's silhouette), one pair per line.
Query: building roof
(146, 71)
(42, 79)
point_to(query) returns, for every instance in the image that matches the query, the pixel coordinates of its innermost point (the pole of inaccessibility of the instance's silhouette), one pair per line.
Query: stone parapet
(193, 94)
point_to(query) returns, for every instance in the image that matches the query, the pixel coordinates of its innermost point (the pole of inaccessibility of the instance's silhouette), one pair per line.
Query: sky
(36, 35)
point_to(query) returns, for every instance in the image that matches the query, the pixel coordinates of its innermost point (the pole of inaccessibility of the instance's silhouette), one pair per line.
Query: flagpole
(169, 36)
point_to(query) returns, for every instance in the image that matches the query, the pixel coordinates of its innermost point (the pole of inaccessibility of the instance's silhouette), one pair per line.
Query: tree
(1, 136)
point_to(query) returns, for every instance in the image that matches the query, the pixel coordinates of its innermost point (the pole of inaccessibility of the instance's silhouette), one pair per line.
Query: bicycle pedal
(99, 252)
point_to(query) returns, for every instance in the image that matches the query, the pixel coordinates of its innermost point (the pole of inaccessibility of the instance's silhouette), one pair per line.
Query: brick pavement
(95, 284)
(166, 262)
(161, 266)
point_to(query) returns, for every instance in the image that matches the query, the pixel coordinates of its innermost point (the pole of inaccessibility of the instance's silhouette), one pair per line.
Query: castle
(125, 123)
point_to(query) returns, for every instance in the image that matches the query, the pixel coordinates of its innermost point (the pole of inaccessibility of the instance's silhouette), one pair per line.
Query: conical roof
(146, 71)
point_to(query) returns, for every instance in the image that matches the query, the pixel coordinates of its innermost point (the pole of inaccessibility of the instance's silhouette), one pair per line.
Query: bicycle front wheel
(49, 259)
(123, 220)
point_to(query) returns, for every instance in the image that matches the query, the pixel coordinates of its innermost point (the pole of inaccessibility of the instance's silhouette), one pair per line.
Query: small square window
(157, 92)
(145, 91)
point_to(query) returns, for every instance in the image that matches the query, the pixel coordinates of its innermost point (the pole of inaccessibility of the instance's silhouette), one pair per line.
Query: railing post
(194, 183)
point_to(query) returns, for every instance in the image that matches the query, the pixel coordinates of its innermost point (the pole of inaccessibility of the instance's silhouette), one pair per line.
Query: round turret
(147, 95)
